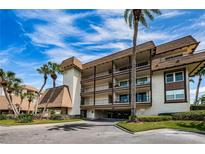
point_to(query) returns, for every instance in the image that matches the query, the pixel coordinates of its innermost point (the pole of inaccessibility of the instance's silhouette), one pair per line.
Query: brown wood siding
(175, 85)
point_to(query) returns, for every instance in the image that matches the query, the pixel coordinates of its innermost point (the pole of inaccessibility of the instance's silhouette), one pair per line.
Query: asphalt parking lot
(96, 132)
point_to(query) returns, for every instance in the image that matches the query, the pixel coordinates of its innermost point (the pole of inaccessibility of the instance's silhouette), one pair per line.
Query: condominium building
(102, 88)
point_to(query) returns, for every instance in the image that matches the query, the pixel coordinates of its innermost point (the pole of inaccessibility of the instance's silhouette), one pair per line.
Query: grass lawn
(13, 122)
(193, 126)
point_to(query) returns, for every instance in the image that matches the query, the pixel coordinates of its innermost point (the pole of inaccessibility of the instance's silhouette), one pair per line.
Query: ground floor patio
(96, 132)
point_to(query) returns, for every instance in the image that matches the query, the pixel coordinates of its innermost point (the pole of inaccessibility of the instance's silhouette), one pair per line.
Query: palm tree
(31, 97)
(45, 71)
(54, 69)
(133, 17)
(10, 83)
(22, 96)
(200, 74)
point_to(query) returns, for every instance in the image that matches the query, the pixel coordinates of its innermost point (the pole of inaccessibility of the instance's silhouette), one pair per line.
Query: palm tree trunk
(133, 75)
(54, 83)
(46, 105)
(197, 90)
(39, 95)
(29, 104)
(9, 101)
(20, 105)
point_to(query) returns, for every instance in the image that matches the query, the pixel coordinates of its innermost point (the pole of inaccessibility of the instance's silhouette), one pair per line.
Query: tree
(22, 96)
(44, 70)
(54, 69)
(201, 73)
(133, 17)
(10, 83)
(31, 97)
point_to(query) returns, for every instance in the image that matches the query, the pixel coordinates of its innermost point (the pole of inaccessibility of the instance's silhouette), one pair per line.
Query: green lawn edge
(188, 126)
(35, 122)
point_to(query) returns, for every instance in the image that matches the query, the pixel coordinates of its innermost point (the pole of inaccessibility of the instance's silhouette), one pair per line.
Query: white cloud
(59, 54)
(201, 91)
(166, 14)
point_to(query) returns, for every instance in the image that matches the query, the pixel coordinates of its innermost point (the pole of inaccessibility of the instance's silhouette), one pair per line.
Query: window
(141, 97)
(169, 78)
(179, 76)
(142, 81)
(124, 84)
(124, 98)
(174, 77)
(142, 64)
(175, 94)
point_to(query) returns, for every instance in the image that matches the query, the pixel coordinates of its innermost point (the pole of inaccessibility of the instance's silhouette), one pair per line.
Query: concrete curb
(123, 129)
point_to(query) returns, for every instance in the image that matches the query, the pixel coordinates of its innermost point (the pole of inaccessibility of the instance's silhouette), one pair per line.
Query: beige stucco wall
(72, 78)
(101, 99)
(158, 105)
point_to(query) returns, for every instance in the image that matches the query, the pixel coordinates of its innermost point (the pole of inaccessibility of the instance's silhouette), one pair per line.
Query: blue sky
(30, 38)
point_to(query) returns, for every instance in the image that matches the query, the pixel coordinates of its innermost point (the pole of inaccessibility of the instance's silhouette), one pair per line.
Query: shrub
(3, 117)
(192, 115)
(154, 118)
(166, 114)
(10, 117)
(132, 118)
(197, 107)
(56, 117)
(25, 118)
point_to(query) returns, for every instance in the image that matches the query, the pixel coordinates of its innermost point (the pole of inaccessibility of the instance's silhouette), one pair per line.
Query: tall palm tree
(9, 82)
(200, 74)
(54, 69)
(133, 17)
(44, 70)
(31, 97)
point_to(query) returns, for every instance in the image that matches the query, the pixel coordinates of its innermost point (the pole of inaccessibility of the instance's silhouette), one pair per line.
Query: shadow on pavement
(76, 127)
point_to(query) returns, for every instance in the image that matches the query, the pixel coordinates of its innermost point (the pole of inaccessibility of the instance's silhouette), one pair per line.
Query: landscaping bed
(29, 119)
(14, 122)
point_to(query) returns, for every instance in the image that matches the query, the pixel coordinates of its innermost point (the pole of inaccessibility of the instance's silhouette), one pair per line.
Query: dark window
(141, 97)
(142, 81)
(124, 98)
(179, 76)
(124, 84)
(169, 78)
(142, 64)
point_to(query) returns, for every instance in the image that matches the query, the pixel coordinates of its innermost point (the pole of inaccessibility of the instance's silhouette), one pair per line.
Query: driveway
(87, 132)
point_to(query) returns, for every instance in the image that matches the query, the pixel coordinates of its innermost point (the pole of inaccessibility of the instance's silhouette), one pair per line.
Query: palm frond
(143, 20)
(156, 11)
(148, 14)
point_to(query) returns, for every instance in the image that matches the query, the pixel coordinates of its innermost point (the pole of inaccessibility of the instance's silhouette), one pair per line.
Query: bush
(25, 118)
(132, 118)
(166, 114)
(197, 107)
(10, 117)
(3, 117)
(192, 115)
(154, 118)
(56, 117)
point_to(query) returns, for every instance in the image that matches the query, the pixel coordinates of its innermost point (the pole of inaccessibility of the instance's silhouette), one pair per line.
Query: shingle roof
(60, 98)
(179, 43)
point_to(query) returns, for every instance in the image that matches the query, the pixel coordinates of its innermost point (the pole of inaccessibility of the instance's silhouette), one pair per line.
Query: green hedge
(197, 107)
(191, 115)
(3, 117)
(154, 118)
(24, 118)
(56, 117)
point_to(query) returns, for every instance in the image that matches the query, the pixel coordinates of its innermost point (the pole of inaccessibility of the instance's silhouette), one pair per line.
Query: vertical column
(130, 66)
(113, 82)
(150, 76)
(94, 86)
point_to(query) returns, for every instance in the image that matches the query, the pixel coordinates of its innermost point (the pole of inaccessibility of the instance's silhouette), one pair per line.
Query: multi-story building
(102, 88)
